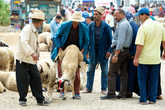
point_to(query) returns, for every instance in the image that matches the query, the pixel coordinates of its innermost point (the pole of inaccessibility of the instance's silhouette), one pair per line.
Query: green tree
(4, 13)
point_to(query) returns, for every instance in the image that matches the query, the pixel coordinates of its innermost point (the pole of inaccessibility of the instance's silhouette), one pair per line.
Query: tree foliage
(4, 13)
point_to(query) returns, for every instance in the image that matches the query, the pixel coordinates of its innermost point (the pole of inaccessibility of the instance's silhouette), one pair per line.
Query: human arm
(137, 54)
(109, 34)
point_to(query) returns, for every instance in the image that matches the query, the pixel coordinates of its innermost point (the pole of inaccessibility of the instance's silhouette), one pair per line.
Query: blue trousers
(91, 74)
(148, 81)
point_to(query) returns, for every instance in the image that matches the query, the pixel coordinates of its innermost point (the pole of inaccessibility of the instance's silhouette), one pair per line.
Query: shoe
(43, 103)
(108, 97)
(121, 97)
(103, 92)
(87, 91)
(143, 103)
(62, 96)
(77, 96)
(44, 90)
(151, 102)
(22, 103)
(129, 95)
(159, 97)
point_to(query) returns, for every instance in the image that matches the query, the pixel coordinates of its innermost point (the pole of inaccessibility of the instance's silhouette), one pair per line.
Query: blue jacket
(62, 35)
(135, 30)
(104, 43)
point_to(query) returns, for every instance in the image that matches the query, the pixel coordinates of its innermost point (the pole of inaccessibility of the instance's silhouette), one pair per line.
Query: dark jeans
(91, 74)
(148, 81)
(121, 68)
(28, 74)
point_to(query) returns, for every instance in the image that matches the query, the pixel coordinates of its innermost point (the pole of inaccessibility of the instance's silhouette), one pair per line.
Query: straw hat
(77, 17)
(100, 9)
(38, 14)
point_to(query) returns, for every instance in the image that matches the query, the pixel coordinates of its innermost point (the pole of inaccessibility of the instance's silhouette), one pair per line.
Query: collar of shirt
(121, 20)
(146, 21)
(99, 26)
(33, 28)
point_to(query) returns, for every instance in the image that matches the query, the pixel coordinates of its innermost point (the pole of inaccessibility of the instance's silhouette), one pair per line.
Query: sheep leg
(65, 90)
(50, 92)
(73, 92)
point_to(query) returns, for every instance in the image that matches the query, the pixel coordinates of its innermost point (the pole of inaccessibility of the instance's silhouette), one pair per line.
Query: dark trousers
(148, 81)
(120, 67)
(28, 74)
(76, 81)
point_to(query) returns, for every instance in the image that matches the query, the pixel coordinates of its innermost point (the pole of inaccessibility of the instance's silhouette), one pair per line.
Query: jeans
(148, 81)
(91, 73)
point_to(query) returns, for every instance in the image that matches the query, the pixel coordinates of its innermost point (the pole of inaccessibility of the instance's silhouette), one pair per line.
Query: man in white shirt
(27, 55)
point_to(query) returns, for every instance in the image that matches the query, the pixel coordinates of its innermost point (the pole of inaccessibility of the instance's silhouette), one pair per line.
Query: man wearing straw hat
(27, 55)
(71, 32)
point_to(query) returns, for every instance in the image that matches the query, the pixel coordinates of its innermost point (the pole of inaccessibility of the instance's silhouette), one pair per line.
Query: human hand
(82, 51)
(114, 59)
(60, 49)
(136, 62)
(107, 55)
(163, 55)
(35, 57)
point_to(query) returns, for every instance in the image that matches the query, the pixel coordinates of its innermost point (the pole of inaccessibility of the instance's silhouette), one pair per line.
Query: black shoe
(159, 97)
(129, 95)
(108, 97)
(43, 103)
(121, 97)
(22, 103)
(87, 91)
(78, 97)
(152, 102)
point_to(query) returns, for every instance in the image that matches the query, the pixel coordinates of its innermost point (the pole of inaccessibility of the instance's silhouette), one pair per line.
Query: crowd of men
(128, 53)
(115, 33)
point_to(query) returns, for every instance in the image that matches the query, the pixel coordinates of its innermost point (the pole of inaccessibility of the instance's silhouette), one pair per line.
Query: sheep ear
(80, 57)
(40, 69)
(47, 64)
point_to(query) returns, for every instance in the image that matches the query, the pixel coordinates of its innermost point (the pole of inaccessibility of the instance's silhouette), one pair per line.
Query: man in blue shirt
(55, 24)
(120, 56)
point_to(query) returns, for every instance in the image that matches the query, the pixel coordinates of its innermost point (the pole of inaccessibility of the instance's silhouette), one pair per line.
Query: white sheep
(47, 69)
(83, 70)
(71, 59)
(8, 79)
(6, 59)
(43, 47)
(3, 44)
(2, 88)
(46, 27)
(83, 78)
(45, 38)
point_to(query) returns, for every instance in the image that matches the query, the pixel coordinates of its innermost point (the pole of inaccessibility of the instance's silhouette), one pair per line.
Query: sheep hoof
(4, 90)
(64, 98)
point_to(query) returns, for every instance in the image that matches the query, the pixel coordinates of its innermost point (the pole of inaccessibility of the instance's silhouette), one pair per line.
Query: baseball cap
(143, 11)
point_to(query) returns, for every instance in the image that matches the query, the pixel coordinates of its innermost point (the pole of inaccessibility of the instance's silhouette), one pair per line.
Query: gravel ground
(9, 99)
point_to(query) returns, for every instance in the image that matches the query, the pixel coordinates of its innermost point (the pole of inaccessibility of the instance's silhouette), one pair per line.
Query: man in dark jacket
(99, 50)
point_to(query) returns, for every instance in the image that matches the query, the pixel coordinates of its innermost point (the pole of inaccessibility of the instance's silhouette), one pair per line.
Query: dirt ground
(9, 99)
